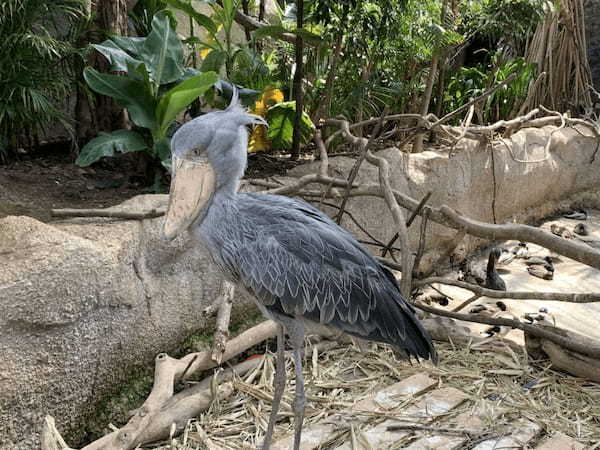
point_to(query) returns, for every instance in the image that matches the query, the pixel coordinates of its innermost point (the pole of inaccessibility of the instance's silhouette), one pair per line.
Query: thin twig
(358, 163)
(467, 302)
(409, 222)
(422, 239)
(434, 429)
(467, 105)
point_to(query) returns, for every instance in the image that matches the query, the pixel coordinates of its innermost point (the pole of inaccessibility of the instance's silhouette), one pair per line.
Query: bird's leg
(297, 339)
(278, 386)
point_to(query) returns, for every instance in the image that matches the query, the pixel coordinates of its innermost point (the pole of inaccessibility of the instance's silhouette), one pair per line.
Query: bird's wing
(297, 261)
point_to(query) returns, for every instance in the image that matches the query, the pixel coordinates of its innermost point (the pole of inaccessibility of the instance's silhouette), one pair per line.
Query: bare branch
(516, 295)
(399, 220)
(153, 213)
(422, 238)
(574, 250)
(409, 222)
(570, 344)
(221, 335)
(364, 148)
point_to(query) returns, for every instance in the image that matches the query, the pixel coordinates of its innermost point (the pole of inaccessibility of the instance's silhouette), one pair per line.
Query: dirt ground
(35, 184)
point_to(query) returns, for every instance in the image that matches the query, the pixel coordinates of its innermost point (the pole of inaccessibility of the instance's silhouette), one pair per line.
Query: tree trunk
(298, 75)
(418, 143)
(95, 113)
(246, 9)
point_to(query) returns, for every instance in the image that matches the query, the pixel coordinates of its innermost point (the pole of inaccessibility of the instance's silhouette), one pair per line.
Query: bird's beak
(253, 119)
(192, 185)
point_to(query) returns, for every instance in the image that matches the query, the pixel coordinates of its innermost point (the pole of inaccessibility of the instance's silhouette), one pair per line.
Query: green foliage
(509, 21)
(142, 14)
(155, 89)
(281, 125)
(36, 61)
(107, 144)
(470, 82)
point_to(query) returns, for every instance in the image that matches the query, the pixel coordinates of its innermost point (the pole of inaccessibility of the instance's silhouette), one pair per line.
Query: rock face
(530, 183)
(83, 303)
(592, 25)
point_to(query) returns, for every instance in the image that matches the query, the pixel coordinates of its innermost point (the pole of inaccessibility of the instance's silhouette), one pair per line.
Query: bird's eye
(197, 152)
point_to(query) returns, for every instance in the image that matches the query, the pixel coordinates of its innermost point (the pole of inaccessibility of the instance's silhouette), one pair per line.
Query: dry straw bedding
(494, 376)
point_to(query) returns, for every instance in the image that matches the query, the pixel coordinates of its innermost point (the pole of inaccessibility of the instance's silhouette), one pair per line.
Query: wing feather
(295, 260)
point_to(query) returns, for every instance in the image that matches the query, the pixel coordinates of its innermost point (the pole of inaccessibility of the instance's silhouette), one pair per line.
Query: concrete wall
(464, 180)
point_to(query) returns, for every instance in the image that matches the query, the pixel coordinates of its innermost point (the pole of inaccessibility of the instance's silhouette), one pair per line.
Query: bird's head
(208, 153)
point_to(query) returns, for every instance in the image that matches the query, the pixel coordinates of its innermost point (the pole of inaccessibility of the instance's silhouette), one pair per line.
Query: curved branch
(516, 295)
(585, 348)
(574, 250)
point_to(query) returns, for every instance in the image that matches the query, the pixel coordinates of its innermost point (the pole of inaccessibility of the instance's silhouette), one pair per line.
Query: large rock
(83, 303)
(513, 179)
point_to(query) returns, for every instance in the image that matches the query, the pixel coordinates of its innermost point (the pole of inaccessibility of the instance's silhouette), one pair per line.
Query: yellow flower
(204, 52)
(259, 142)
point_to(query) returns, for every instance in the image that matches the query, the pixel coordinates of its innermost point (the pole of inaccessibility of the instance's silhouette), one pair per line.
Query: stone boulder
(85, 302)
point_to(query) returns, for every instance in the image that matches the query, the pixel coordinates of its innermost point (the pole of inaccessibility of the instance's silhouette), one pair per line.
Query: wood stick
(570, 344)
(151, 214)
(221, 335)
(516, 295)
(409, 222)
(364, 148)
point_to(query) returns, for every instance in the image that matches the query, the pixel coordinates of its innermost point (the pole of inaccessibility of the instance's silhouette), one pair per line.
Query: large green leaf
(199, 18)
(162, 51)
(178, 98)
(118, 58)
(132, 45)
(131, 93)
(107, 144)
(281, 125)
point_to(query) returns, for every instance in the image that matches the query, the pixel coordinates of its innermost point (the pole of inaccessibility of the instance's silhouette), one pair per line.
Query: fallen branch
(154, 419)
(574, 363)
(525, 233)
(516, 295)
(435, 429)
(153, 213)
(570, 344)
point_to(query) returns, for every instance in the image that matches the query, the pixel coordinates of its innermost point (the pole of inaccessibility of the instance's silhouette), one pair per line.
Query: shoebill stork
(297, 263)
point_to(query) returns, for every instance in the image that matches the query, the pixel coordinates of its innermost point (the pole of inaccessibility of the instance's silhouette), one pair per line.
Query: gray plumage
(297, 263)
